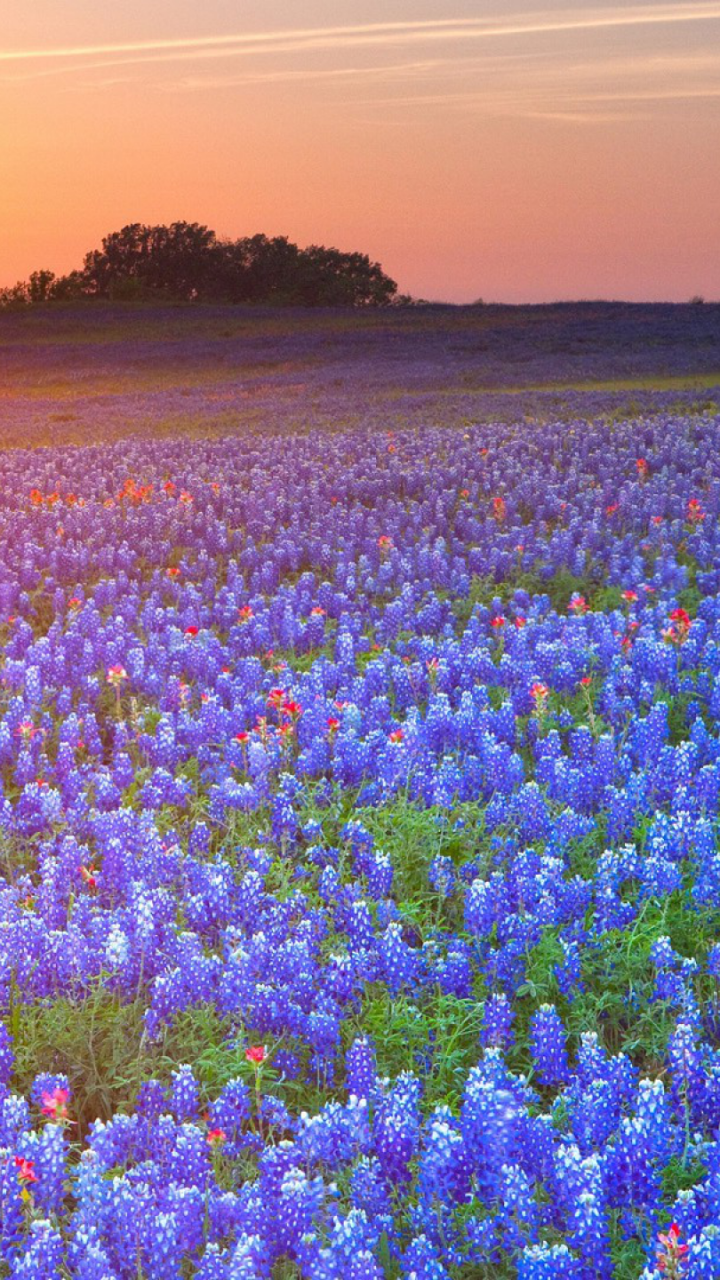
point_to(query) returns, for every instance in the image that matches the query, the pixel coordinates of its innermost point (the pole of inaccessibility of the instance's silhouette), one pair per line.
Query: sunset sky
(511, 151)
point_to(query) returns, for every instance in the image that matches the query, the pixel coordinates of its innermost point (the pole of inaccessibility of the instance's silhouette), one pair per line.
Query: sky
(514, 152)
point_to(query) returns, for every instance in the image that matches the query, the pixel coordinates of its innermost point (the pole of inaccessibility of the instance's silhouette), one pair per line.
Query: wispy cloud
(378, 33)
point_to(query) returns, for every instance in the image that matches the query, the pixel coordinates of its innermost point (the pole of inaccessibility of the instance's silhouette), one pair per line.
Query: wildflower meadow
(359, 786)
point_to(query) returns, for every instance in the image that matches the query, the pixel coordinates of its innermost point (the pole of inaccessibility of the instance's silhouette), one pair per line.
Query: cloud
(376, 34)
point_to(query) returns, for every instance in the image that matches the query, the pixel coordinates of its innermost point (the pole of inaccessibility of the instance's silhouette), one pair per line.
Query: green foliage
(412, 837)
(436, 1037)
(96, 1041)
(559, 586)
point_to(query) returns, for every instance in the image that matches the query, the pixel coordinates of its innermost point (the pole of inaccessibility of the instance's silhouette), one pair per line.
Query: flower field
(359, 860)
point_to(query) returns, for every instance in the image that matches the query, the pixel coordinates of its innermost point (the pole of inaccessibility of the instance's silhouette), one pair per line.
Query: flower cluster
(230, 671)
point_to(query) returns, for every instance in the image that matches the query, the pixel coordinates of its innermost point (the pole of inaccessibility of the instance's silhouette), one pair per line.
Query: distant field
(83, 374)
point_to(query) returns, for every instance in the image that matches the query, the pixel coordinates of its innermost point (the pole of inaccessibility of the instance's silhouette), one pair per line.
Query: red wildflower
(88, 875)
(26, 1169)
(680, 616)
(670, 1253)
(191, 632)
(55, 1105)
(695, 513)
(256, 1054)
(682, 623)
(214, 1137)
(397, 735)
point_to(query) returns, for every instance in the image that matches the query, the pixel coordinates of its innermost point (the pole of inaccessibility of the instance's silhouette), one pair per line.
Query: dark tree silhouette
(187, 262)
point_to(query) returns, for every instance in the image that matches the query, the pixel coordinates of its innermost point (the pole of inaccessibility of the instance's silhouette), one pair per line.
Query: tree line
(187, 262)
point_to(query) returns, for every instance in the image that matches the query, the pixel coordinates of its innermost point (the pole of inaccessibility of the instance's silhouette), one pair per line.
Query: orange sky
(510, 151)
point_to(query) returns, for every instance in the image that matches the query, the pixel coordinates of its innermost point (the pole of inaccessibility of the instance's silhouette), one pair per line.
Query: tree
(40, 286)
(186, 262)
(332, 278)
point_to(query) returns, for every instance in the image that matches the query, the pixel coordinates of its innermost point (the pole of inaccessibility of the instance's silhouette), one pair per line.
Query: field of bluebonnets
(360, 765)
